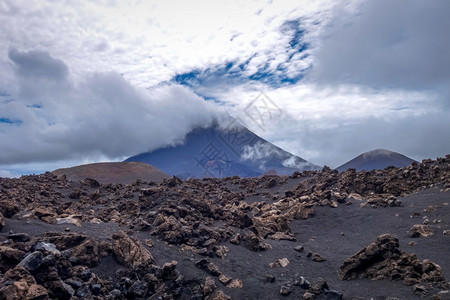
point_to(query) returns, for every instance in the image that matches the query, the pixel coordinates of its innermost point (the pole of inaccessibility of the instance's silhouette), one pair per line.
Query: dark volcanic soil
(130, 235)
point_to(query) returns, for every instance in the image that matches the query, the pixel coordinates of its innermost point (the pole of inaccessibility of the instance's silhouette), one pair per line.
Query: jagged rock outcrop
(383, 259)
(130, 251)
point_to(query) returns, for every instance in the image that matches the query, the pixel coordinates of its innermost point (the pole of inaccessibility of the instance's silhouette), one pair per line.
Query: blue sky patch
(10, 121)
(34, 106)
(234, 73)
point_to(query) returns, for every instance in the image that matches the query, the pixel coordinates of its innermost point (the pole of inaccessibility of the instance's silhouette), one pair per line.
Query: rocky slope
(231, 238)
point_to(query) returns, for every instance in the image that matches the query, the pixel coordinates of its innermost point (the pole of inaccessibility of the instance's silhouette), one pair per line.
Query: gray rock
(83, 291)
(49, 260)
(138, 289)
(66, 254)
(309, 296)
(62, 290)
(74, 283)
(270, 278)
(47, 247)
(19, 237)
(96, 288)
(299, 248)
(286, 289)
(32, 261)
(85, 275)
(303, 283)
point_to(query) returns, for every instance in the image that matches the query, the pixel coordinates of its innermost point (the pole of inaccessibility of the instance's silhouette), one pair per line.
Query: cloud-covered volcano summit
(219, 152)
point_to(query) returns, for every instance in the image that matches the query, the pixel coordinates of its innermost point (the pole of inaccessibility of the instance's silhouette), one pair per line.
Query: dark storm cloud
(387, 44)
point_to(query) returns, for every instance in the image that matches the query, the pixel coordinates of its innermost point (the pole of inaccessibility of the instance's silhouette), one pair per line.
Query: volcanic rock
(8, 208)
(420, 230)
(86, 253)
(309, 296)
(36, 292)
(282, 262)
(319, 287)
(221, 296)
(9, 257)
(138, 289)
(303, 283)
(47, 248)
(224, 279)
(62, 241)
(235, 284)
(168, 270)
(255, 243)
(61, 290)
(208, 266)
(19, 237)
(209, 286)
(384, 259)
(270, 278)
(286, 289)
(315, 256)
(299, 248)
(32, 261)
(72, 219)
(16, 283)
(130, 251)
(2, 221)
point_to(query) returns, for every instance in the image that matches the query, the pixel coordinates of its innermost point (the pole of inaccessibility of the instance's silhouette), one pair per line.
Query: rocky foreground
(232, 238)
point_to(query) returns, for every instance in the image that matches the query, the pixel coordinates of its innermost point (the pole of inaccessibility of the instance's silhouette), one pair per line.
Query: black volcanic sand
(335, 233)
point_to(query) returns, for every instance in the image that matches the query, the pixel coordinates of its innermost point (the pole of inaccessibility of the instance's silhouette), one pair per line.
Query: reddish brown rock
(420, 230)
(16, 283)
(221, 296)
(62, 241)
(2, 221)
(383, 259)
(36, 292)
(208, 266)
(9, 257)
(209, 286)
(86, 253)
(130, 251)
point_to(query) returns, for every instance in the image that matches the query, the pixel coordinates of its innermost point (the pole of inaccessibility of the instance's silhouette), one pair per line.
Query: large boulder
(18, 283)
(9, 208)
(86, 253)
(383, 259)
(130, 251)
(9, 257)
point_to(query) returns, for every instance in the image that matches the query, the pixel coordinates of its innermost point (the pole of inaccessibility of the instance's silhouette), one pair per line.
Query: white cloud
(101, 115)
(151, 41)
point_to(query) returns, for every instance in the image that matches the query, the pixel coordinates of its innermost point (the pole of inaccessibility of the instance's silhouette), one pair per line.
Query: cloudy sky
(86, 81)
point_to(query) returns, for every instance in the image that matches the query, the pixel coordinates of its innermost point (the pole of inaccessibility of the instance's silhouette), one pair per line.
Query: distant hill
(376, 160)
(218, 152)
(114, 172)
